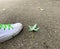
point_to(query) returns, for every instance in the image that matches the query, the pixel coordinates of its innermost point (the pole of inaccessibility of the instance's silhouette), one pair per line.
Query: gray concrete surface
(46, 13)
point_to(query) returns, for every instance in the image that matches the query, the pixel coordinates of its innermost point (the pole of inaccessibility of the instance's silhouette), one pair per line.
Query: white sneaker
(7, 31)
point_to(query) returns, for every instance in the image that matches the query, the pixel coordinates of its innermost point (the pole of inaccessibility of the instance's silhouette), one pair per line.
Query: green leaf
(33, 28)
(36, 29)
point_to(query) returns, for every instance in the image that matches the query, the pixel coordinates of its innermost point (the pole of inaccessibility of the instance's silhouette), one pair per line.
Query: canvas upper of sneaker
(12, 32)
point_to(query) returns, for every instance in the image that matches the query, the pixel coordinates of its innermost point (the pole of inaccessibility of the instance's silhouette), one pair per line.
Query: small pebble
(22, 44)
(41, 9)
(3, 9)
(55, 31)
(36, 44)
(30, 47)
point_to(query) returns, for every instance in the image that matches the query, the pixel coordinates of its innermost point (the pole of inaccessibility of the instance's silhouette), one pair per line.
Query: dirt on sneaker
(45, 13)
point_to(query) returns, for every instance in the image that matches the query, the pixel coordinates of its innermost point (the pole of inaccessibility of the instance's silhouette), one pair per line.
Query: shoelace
(9, 26)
